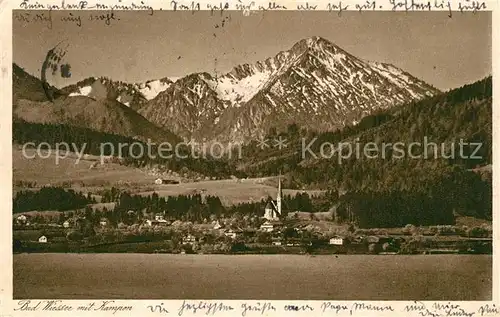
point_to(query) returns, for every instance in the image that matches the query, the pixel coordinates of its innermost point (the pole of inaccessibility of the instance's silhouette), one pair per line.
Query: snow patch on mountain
(238, 91)
(151, 89)
(83, 91)
(126, 103)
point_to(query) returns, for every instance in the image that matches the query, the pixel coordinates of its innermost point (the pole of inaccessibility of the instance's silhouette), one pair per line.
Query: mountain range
(315, 84)
(101, 113)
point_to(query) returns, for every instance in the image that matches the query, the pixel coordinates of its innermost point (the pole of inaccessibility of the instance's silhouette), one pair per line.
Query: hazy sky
(444, 52)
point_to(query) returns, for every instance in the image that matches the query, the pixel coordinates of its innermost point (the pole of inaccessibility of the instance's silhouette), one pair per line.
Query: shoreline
(301, 252)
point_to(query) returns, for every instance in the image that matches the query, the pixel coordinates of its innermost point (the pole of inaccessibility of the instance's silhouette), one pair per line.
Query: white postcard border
(10, 307)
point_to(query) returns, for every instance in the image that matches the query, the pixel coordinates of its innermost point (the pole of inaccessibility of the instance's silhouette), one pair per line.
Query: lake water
(277, 277)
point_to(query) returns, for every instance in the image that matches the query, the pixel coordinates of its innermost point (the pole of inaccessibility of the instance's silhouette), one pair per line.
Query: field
(84, 178)
(230, 191)
(277, 277)
(45, 171)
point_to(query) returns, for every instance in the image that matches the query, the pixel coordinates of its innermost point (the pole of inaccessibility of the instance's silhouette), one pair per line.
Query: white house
(231, 233)
(42, 239)
(159, 217)
(189, 239)
(158, 221)
(276, 241)
(337, 241)
(163, 222)
(267, 227)
(217, 225)
(22, 220)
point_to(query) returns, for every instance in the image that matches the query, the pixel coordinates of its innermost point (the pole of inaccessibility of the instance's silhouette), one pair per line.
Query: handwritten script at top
(46, 18)
(110, 13)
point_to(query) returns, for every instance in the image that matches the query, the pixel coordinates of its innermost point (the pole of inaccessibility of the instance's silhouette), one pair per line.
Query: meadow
(86, 175)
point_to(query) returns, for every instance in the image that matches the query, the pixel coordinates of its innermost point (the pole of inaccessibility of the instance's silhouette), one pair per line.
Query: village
(277, 231)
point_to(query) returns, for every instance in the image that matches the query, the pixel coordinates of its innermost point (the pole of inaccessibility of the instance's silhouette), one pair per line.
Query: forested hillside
(461, 114)
(100, 143)
(389, 189)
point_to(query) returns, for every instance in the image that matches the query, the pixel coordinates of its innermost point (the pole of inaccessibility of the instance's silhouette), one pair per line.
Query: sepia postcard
(249, 158)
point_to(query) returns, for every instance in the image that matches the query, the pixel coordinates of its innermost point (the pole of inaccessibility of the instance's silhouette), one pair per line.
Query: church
(273, 212)
(273, 208)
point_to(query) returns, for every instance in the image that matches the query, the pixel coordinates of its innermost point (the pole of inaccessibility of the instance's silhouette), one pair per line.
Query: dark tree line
(456, 192)
(133, 208)
(50, 198)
